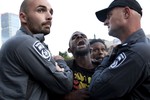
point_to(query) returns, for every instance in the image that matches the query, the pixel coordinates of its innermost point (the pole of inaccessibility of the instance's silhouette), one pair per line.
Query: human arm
(117, 79)
(58, 67)
(38, 62)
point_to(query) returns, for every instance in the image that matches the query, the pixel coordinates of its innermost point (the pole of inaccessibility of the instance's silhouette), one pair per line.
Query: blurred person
(116, 42)
(125, 75)
(27, 69)
(82, 66)
(98, 50)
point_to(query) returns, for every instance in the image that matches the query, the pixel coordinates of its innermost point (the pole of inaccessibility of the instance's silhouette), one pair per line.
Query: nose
(49, 16)
(79, 36)
(100, 52)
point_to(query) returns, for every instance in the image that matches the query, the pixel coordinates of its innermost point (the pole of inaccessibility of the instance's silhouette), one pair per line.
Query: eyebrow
(41, 6)
(44, 7)
(51, 10)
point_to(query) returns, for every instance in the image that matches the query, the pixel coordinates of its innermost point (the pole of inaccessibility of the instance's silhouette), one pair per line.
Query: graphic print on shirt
(119, 60)
(81, 81)
(41, 50)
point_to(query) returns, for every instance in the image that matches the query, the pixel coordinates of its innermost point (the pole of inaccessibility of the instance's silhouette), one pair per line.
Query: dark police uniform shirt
(127, 77)
(28, 72)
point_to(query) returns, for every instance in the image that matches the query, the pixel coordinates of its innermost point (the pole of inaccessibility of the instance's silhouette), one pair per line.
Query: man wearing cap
(124, 75)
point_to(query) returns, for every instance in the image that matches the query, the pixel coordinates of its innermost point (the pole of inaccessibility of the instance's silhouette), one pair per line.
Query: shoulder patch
(41, 50)
(119, 60)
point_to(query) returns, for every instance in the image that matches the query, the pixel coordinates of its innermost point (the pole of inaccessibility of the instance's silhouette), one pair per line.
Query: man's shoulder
(20, 39)
(141, 45)
(140, 48)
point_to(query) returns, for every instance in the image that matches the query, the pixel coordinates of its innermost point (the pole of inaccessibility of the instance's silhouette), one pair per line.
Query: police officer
(125, 74)
(27, 69)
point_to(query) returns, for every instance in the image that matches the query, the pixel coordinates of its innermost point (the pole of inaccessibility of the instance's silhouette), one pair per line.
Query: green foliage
(65, 55)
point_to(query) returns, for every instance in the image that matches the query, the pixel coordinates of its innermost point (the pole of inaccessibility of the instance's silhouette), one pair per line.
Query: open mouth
(81, 44)
(97, 58)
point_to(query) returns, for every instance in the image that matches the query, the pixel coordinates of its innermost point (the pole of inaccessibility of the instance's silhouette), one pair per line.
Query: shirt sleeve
(118, 78)
(38, 62)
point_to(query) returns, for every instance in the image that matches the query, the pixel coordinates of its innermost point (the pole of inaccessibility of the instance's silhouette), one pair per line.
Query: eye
(73, 37)
(84, 36)
(109, 15)
(51, 11)
(95, 50)
(41, 10)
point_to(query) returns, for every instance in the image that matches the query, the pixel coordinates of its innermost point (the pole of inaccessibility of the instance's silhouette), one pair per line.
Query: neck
(128, 32)
(26, 30)
(84, 61)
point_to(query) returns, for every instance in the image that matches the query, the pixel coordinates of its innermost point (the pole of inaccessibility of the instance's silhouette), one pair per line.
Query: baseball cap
(132, 4)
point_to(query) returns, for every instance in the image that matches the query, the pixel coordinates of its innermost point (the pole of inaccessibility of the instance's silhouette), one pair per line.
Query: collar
(39, 36)
(135, 37)
(25, 31)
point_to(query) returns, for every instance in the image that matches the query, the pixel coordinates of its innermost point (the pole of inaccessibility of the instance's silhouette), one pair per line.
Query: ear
(126, 12)
(22, 17)
(69, 50)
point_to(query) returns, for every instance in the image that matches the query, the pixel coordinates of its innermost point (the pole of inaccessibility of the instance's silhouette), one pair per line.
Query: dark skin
(98, 51)
(79, 43)
(75, 41)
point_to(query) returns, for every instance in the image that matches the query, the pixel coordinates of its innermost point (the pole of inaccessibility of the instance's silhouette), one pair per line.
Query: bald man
(125, 74)
(27, 69)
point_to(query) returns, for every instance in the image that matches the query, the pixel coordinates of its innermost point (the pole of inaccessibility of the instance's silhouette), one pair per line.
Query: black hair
(92, 41)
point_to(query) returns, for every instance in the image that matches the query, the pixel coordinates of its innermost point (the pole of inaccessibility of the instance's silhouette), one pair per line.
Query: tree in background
(65, 55)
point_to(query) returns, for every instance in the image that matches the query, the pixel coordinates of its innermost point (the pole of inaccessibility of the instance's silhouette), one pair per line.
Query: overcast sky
(75, 15)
